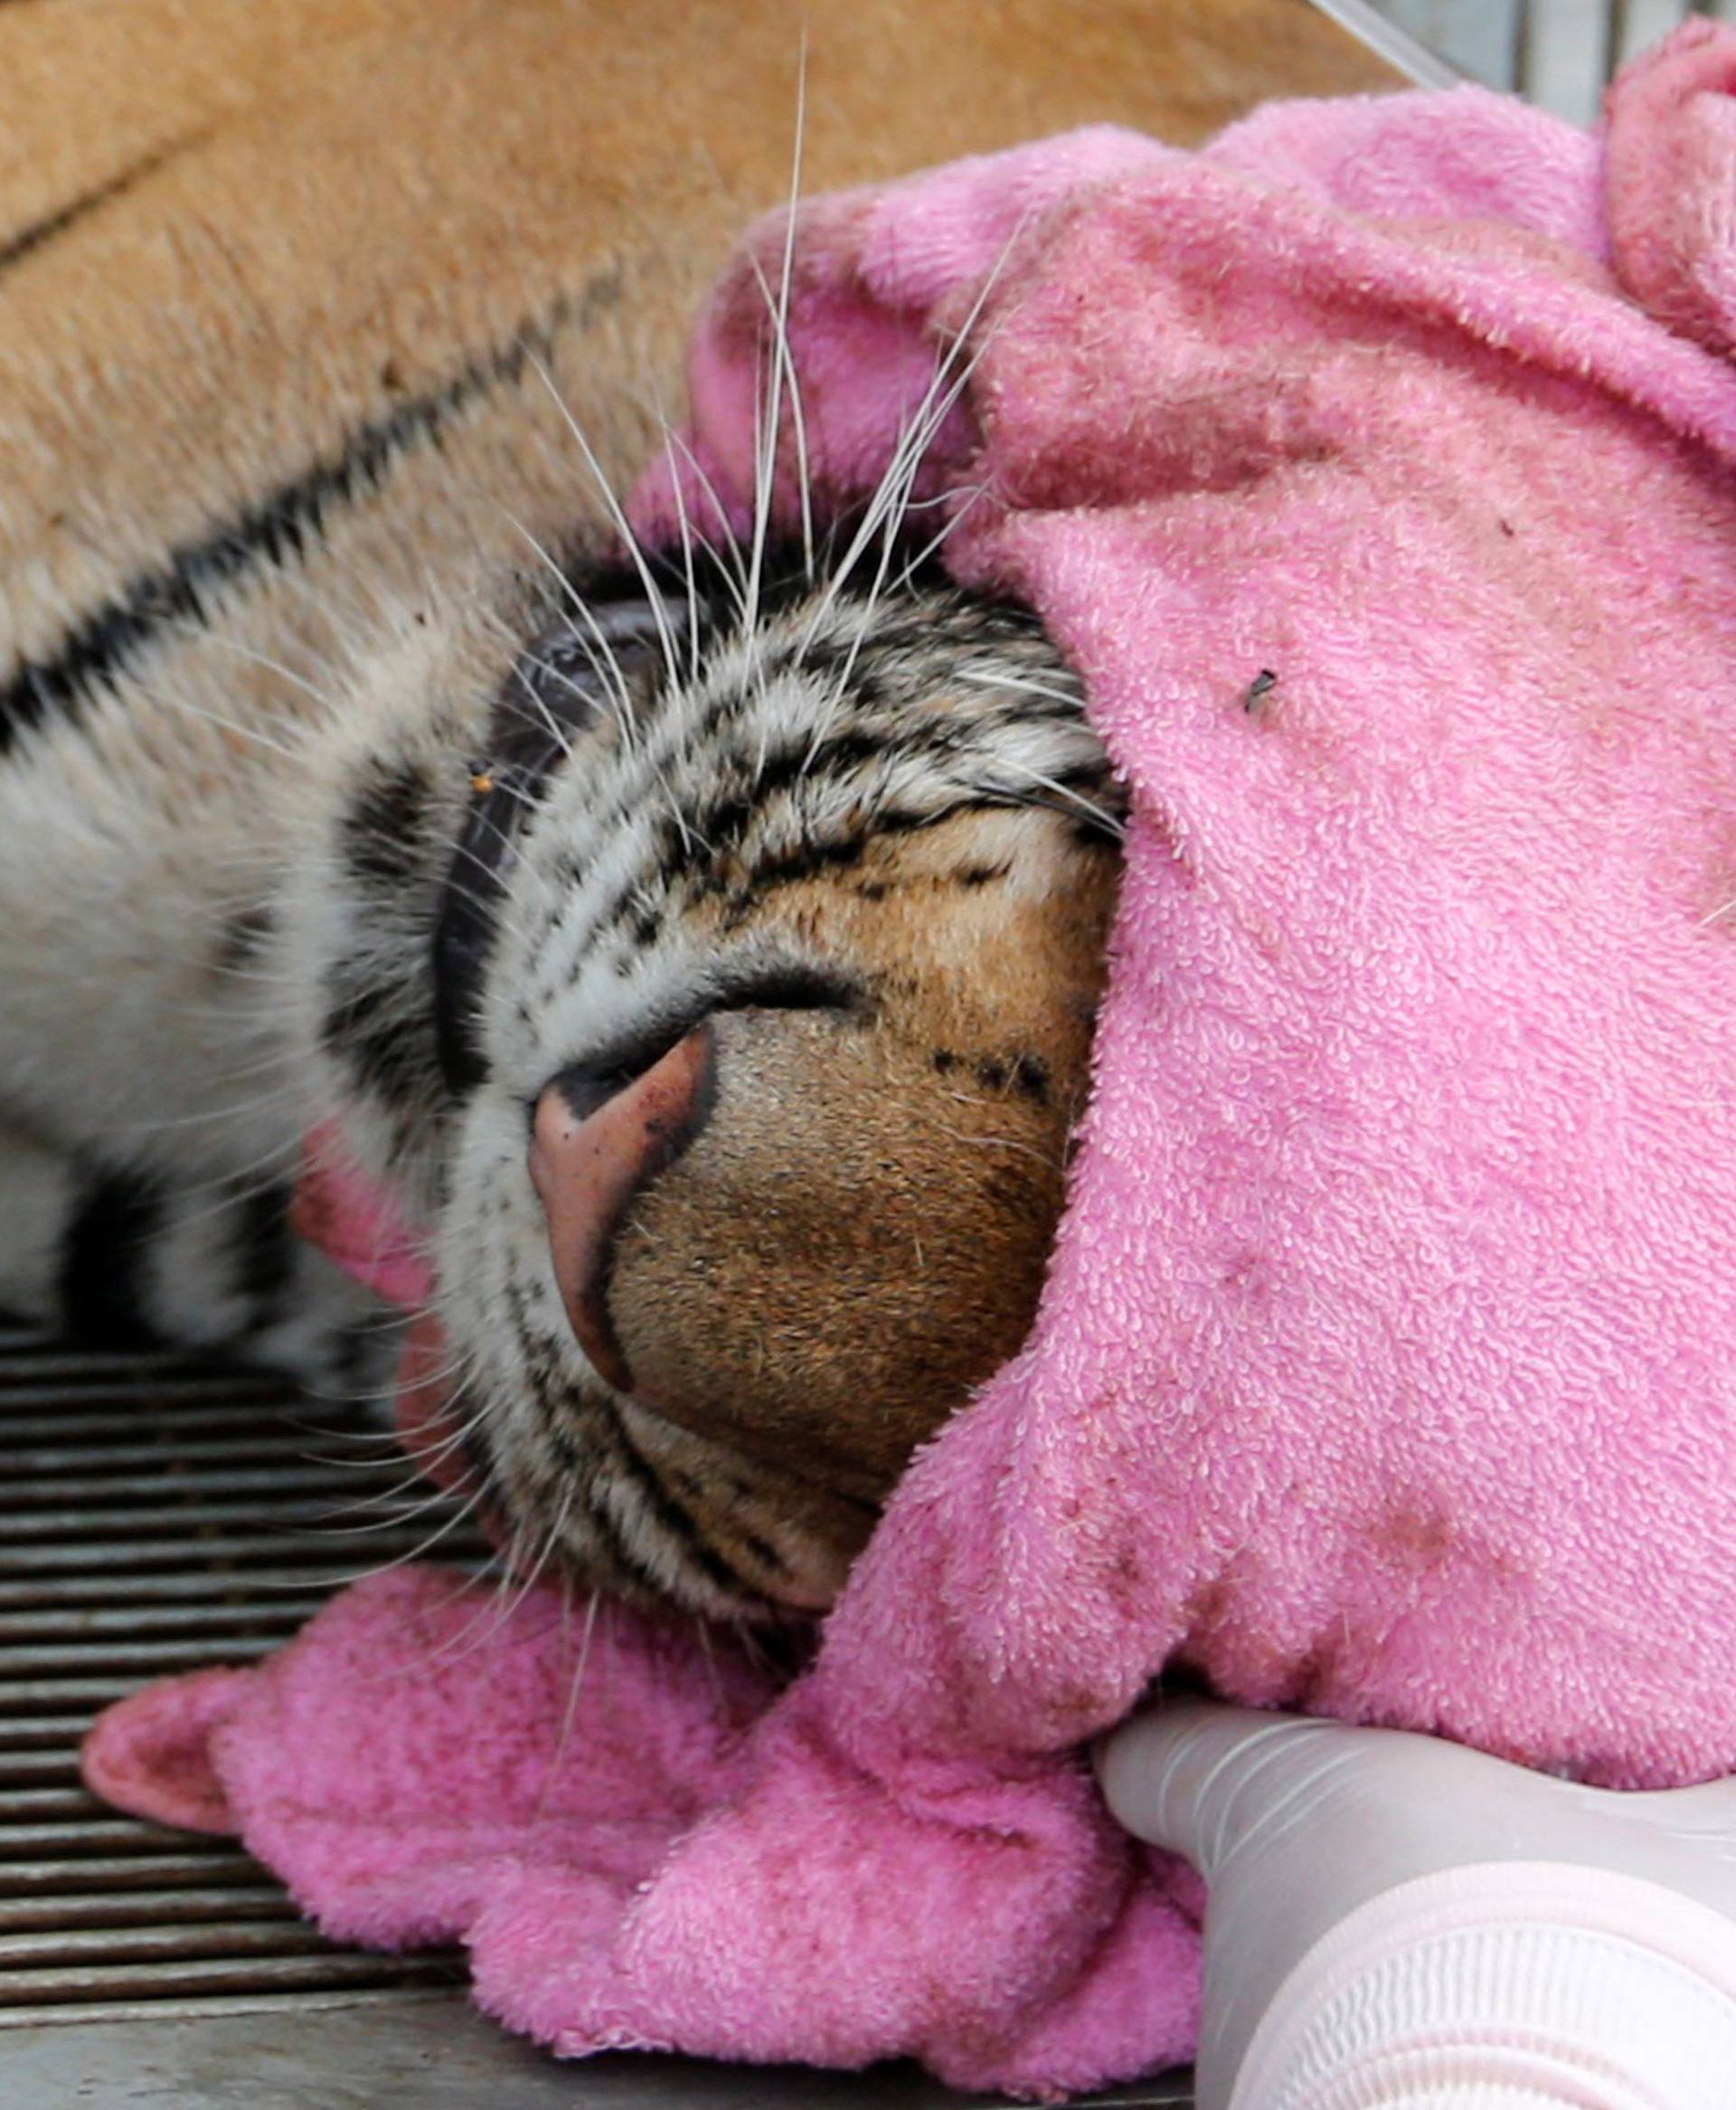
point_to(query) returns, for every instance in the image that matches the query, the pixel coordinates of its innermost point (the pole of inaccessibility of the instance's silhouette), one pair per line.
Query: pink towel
(1375, 468)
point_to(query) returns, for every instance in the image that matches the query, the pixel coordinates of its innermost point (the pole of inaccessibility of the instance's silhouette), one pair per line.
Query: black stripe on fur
(262, 1254)
(384, 1046)
(15, 247)
(275, 529)
(102, 1267)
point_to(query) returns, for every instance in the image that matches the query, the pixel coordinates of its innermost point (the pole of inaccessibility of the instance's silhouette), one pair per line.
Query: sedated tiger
(707, 960)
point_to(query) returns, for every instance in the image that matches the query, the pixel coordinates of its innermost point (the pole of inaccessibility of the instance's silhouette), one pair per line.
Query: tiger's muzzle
(588, 1160)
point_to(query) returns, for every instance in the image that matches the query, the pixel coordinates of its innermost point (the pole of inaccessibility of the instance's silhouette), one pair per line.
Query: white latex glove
(1295, 1823)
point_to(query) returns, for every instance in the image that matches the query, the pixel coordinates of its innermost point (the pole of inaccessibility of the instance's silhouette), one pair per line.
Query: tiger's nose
(589, 1159)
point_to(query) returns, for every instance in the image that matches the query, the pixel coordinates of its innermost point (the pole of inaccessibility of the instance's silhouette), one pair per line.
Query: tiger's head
(717, 977)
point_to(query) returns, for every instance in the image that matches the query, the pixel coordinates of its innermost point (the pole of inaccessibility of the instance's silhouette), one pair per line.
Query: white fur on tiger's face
(843, 863)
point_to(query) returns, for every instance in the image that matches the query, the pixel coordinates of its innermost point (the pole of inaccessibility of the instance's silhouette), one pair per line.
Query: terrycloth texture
(1385, 1364)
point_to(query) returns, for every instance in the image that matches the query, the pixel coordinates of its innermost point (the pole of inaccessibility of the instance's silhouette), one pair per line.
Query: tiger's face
(754, 955)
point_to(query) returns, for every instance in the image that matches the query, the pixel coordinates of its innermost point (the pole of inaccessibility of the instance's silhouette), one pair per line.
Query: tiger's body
(294, 348)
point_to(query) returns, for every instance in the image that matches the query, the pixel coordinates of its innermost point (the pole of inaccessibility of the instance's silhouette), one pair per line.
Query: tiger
(353, 773)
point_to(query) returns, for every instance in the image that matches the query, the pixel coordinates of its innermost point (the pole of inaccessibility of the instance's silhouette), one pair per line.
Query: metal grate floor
(159, 1516)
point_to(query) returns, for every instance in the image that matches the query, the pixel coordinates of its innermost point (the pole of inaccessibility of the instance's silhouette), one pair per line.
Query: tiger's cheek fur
(373, 818)
(600, 1483)
(858, 1236)
(818, 1278)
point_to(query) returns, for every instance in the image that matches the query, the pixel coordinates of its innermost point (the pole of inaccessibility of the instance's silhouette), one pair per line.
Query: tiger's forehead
(756, 803)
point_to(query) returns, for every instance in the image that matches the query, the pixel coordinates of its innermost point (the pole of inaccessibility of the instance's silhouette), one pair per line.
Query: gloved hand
(1295, 1823)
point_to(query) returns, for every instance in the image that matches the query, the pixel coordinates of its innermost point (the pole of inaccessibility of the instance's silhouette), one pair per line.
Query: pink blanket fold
(1375, 466)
